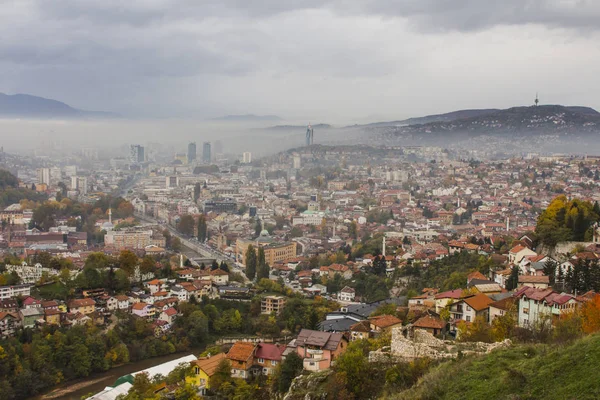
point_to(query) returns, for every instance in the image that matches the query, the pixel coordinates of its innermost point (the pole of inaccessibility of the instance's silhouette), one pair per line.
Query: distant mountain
(541, 119)
(296, 127)
(451, 116)
(28, 106)
(462, 114)
(247, 118)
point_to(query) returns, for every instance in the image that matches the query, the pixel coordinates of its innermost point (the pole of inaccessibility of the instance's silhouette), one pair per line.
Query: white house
(346, 294)
(536, 304)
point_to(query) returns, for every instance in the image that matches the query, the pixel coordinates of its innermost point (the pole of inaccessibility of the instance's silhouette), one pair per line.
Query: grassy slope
(519, 373)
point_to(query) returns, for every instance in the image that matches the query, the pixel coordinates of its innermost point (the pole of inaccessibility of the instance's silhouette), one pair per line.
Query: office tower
(43, 175)
(191, 153)
(206, 156)
(136, 154)
(246, 157)
(297, 161)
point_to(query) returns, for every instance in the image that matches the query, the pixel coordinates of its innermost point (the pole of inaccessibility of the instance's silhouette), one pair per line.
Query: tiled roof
(384, 321)
(478, 302)
(429, 322)
(241, 351)
(209, 365)
(269, 351)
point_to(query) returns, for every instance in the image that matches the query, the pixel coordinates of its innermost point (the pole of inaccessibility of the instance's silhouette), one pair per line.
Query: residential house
(270, 304)
(9, 306)
(347, 294)
(241, 356)
(535, 305)
(168, 315)
(219, 277)
(30, 316)
(501, 307)
(517, 253)
(469, 308)
(432, 324)
(445, 298)
(9, 323)
(538, 282)
(203, 369)
(268, 356)
(52, 316)
(319, 350)
(122, 302)
(360, 330)
(383, 323)
(154, 285)
(83, 306)
(143, 310)
(30, 302)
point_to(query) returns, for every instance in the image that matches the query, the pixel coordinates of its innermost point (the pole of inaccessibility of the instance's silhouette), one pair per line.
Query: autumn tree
(186, 225)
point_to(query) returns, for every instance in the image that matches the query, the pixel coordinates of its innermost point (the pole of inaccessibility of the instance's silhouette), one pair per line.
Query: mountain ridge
(29, 106)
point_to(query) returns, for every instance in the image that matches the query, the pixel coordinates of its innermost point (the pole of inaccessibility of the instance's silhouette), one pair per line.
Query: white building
(309, 218)
(6, 292)
(246, 157)
(30, 273)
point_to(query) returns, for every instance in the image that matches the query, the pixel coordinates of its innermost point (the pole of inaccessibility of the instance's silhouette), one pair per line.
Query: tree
(262, 269)
(214, 265)
(251, 262)
(513, 280)
(550, 270)
(128, 261)
(290, 368)
(186, 225)
(176, 244)
(148, 264)
(202, 228)
(221, 376)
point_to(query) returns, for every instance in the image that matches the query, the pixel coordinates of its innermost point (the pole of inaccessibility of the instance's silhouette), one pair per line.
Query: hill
(451, 116)
(522, 372)
(28, 106)
(247, 118)
(549, 119)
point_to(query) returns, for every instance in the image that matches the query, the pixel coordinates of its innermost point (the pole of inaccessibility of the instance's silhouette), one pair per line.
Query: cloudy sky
(332, 61)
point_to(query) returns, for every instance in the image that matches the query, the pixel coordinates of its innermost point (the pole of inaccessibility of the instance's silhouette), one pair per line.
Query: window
(273, 363)
(468, 318)
(261, 360)
(468, 308)
(525, 310)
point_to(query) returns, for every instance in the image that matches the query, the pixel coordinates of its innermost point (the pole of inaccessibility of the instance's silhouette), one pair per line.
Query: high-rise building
(206, 156)
(136, 154)
(79, 183)
(191, 154)
(43, 175)
(247, 157)
(309, 135)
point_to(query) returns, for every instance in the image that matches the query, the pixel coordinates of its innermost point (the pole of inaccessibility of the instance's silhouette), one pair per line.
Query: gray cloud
(300, 58)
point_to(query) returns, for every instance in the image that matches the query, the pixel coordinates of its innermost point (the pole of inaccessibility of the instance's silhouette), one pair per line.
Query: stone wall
(423, 344)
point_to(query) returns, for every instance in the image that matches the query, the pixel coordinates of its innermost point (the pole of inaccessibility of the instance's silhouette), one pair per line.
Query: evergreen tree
(196, 191)
(513, 279)
(262, 270)
(224, 266)
(550, 270)
(250, 262)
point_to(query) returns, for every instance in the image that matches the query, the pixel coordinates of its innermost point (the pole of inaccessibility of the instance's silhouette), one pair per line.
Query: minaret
(181, 261)
(507, 224)
(333, 230)
(383, 246)
(459, 202)
(110, 215)
(537, 99)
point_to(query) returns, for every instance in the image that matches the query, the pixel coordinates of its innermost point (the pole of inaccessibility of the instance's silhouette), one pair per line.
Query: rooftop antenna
(537, 99)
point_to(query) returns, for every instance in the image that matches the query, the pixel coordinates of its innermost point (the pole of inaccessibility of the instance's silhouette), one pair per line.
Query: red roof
(269, 351)
(170, 311)
(451, 294)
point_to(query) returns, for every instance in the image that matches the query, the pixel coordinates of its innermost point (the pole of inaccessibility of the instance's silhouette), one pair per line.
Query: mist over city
(316, 200)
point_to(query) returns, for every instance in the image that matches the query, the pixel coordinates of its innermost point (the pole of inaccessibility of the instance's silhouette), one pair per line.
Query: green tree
(290, 368)
(251, 262)
(221, 376)
(513, 280)
(128, 261)
(196, 192)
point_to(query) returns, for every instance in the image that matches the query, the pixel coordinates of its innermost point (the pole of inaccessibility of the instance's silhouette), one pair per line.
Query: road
(202, 249)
